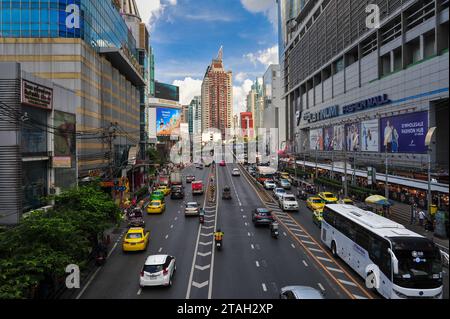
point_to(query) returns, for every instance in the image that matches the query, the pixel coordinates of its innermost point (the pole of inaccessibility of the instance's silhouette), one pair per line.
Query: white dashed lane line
(264, 287)
(257, 264)
(305, 263)
(321, 287)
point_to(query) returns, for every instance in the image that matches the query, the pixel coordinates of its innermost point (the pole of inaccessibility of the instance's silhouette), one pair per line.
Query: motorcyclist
(273, 228)
(218, 235)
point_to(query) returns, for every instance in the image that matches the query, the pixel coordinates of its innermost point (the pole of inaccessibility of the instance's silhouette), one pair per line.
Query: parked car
(284, 183)
(236, 172)
(270, 184)
(136, 239)
(277, 192)
(158, 270)
(288, 202)
(262, 216)
(300, 292)
(192, 209)
(328, 197)
(190, 179)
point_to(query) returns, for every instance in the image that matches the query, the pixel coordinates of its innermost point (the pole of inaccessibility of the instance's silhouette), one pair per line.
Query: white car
(288, 202)
(269, 184)
(236, 172)
(278, 192)
(158, 270)
(192, 209)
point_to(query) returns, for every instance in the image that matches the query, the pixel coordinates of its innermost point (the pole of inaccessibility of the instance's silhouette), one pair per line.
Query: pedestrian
(421, 217)
(413, 214)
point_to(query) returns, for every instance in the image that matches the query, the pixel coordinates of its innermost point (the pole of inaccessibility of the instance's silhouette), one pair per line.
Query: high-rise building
(217, 97)
(373, 90)
(196, 105)
(255, 103)
(87, 47)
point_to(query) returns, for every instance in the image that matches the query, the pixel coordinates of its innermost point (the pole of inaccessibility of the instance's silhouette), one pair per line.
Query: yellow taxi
(284, 175)
(164, 189)
(156, 207)
(315, 203)
(136, 239)
(328, 197)
(346, 201)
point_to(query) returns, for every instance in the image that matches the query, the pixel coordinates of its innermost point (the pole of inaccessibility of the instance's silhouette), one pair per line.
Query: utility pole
(429, 150)
(111, 136)
(345, 171)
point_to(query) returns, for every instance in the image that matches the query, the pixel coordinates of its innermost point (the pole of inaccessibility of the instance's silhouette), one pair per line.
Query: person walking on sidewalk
(413, 214)
(421, 217)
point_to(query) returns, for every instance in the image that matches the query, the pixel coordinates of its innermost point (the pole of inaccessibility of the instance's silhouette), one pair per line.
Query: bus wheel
(333, 249)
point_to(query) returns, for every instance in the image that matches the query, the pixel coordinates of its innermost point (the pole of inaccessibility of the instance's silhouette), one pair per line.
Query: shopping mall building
(88, 47)
(362, 92)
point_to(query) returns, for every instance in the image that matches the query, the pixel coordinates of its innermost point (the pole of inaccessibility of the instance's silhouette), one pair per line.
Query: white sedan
(279, 192)
(269, 184)
(236, 172)
(158, 270)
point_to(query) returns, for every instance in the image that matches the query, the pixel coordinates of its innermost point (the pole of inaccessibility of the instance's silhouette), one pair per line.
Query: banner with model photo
(404, 133)
(352, 135)
(167, 121)
(339, 137)
(316, 139)
(328, 138)
(370, 136)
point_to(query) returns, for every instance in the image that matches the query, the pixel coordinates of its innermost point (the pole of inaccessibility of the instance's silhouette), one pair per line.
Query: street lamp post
(428, 144)
(295, 153)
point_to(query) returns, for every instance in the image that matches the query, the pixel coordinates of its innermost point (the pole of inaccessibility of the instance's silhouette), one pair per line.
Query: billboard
(167, 121)
(316, 139)
(167, 92)
(328, 138)
(370, 136)
(71, 19)
(404, 133)
(352, 134)
(339, 137)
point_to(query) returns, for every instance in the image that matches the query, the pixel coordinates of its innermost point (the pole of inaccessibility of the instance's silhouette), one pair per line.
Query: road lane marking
(348, 283)
(246, 224)
(359, 297)
(89, 282)
(257, 264)
(249, 235)
(305, 263)
(293, 246)
(284, 234)
(171, 226)
(316, 250)
(204, 254)
(139, 292)
(321, 287)
(202, 268)
(335, 270)
(207, 235)
(309, 242)
(253, 246)
(160, 250)
(211, 273)
(205, 244)
(325, 259)
(167, 236)
(207, 227)
(264, 287)
(200, 285)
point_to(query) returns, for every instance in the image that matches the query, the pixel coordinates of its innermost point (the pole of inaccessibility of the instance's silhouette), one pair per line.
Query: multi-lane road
(251, 265)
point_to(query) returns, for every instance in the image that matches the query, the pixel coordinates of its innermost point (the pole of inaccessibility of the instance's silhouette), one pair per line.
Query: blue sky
(187, 34)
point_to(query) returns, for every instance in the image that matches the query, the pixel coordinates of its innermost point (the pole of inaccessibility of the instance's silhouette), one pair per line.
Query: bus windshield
(419, 263)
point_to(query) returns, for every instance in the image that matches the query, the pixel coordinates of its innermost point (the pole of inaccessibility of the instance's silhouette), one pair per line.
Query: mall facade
(91, 48)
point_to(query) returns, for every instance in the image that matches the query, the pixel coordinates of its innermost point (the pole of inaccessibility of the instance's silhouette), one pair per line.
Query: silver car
(192, 209)
(300, 292)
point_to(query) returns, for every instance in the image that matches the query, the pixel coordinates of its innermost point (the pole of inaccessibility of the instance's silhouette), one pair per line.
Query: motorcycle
(274, 230)
(201, 218)
(218, 244)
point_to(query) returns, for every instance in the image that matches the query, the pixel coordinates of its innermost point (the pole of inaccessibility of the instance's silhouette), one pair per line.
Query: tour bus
(264, 173)
(393, 260)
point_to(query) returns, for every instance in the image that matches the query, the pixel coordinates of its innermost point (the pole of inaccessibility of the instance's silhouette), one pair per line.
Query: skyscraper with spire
(217, 96)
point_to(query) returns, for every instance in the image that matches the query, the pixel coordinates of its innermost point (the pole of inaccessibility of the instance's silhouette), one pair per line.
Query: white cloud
(240, 77)
(151, 10)
(267, 7)
(240, 96)
(189, 88)
(265, 57)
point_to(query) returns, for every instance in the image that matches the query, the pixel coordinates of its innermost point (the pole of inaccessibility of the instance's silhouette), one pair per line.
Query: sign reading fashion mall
(333, 111)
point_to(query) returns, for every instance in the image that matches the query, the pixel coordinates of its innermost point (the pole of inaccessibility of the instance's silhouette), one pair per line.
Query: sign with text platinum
(70, 18)
(404, 133)
(328, 113)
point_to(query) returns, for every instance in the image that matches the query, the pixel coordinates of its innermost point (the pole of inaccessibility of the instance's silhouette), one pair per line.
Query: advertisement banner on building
(352, 135)
(167, 92)
(404, 133)
(370, 136)
(339, 137)
(328, 135)
(62, 162)
(65, 140)
(167, 121)
(316, 139)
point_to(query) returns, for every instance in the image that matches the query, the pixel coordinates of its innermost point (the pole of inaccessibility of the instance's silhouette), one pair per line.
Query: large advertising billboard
(404, 133)
(328, 138)
(167, 92)
(370, 136)
(316, 139)
(352, 135)
(167, 121)
(339, 137)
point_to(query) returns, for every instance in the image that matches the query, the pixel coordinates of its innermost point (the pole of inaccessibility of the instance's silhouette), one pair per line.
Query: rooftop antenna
(220, 55)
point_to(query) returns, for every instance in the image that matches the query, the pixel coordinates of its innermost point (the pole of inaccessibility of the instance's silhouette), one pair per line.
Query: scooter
(274, 230)
(218, 244)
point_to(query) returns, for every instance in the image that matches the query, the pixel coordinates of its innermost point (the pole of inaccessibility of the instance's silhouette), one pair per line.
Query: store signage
(70, 19)
(36, 95)
(366, 104)
(328, 113)
(62, 162)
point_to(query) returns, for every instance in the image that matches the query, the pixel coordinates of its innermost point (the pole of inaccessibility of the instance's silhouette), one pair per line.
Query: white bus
(393, 260)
